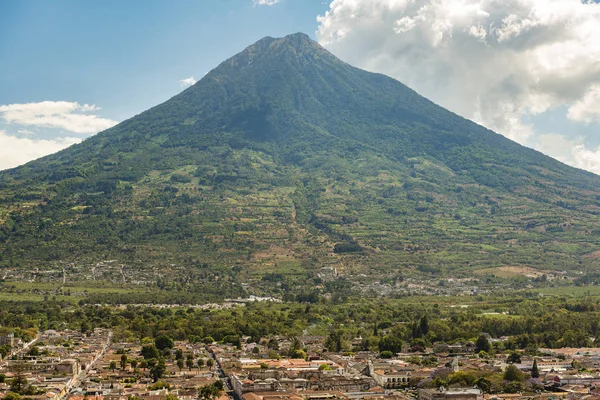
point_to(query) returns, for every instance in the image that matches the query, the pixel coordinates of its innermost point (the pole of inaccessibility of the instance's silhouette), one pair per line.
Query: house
(8, 340)
(392, 378)
(452, 393)
(579, 379)
(68, 367)
(270, 396)
(392, 374)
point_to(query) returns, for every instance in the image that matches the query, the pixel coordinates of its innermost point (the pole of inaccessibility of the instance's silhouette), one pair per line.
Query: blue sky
(127, 56)
(527, 69)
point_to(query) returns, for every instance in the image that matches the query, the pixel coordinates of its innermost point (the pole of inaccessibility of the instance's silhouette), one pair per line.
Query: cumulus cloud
(570, 151)
(493, 61)
(265, 2)
(188, 81)
(587, 109)
(15, 151)
(70, 116)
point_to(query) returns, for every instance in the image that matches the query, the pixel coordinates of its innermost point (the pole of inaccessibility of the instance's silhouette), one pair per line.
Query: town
(91, 364)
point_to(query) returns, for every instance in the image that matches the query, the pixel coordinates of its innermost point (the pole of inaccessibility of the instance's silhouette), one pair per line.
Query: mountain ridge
(282, 152)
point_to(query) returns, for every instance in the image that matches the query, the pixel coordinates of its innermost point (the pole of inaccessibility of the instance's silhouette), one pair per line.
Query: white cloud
(188, 81)
(586, 159)
(493, 61)
(265, 2)
(15, 151)
(587, 109)
(570, 151)
(70, 116)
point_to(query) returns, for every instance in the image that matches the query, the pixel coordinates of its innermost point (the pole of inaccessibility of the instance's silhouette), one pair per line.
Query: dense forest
(531, 323)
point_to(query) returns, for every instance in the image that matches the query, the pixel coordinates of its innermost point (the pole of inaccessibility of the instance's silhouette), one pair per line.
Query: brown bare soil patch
(512, 271)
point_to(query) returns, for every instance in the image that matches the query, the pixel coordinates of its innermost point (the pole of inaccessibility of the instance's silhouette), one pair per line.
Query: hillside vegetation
(284, 158)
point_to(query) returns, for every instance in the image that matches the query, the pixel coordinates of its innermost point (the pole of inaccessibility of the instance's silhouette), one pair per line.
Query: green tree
(482, 344)
(418, 344)
(273, 344)
(4, 350)
(386, 354)
(334, 341)
(484, 384)
(390, 343)
(512, 374)
(535, 372)
(12, 396)
(200, 363)
(189, 362)
(298, 353)
(414, 360)
(234, 340)
(34, 351)
(513, 387)
(163, 342)
(461, 378)
(274, 355)
(85, 327)
(210, 392)
(296, 345)
(424, 325)
(178, 354)
(514, 358)
(180, 364)
(134, 364)
(150, 351)
(113, 365)
(210, 363)
(18, 384)
(159, 386)
(123, 361)
(158, 370)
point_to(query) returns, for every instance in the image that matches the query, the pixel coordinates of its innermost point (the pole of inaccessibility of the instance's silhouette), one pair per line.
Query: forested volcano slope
(283, 152)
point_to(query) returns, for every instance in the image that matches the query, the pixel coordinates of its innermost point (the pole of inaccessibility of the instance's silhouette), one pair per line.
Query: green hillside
(284, 158)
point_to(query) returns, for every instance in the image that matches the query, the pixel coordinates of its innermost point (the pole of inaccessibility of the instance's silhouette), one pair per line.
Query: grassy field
(36, 291)
(90, 287)
(30, 297)
(572, 291)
